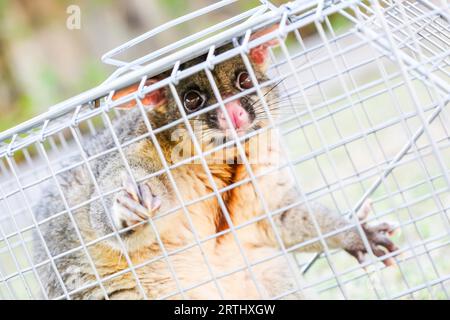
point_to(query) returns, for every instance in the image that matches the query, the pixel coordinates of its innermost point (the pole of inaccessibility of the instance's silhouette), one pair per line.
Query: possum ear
(260, 54)
(153, 98)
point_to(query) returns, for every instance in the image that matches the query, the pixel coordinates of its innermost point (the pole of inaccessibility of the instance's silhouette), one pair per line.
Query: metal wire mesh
(364, 114)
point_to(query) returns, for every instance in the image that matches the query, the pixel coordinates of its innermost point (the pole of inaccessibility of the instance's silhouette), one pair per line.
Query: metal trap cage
(364, 88)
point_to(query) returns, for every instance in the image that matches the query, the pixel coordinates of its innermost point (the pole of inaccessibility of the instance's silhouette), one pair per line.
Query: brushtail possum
(181, 210)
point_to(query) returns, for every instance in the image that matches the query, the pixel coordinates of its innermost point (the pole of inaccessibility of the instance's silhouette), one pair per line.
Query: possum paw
(135, 204)
(377, 236)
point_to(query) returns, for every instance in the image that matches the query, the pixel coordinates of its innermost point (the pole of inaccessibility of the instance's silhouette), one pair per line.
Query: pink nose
(238, 116)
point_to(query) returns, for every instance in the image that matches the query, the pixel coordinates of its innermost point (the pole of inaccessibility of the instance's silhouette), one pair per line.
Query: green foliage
(338, 22)
(48, 76)
(176, 7)
(22, 112)
(3, 7)
(93, 75)
(247, 5)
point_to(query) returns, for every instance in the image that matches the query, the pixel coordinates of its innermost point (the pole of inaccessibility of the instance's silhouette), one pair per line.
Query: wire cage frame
(367, 117)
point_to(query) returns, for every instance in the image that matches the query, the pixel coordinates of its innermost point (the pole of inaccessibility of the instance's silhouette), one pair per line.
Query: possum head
(196, 96)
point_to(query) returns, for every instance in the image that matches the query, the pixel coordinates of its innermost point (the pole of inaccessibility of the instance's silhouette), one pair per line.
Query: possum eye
(193, 100)
(243, 81)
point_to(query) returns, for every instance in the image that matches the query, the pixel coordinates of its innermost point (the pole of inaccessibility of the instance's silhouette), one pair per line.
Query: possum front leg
(128, 208)
(296, 226)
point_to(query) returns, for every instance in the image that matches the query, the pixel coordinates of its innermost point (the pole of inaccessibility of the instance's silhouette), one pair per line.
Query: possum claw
(133, 205)
(377, 236)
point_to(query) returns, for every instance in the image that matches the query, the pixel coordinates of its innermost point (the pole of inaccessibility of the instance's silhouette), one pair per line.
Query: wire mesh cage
(123, 191)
